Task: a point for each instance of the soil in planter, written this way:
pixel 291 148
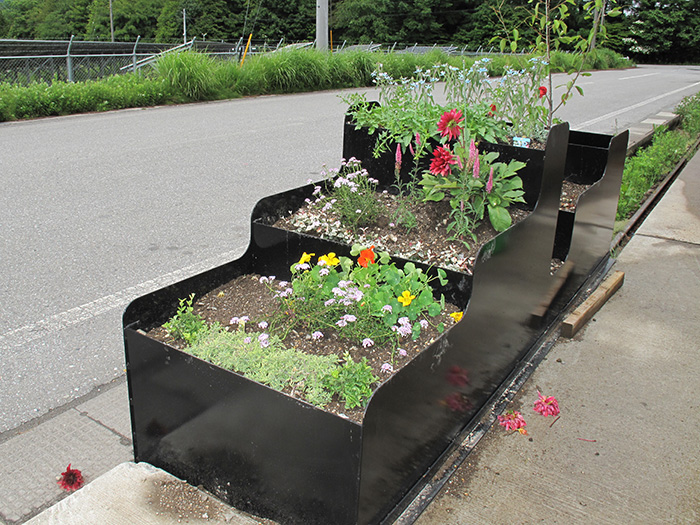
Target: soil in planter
pixel 246 295
pixel 426 241
pixel 570 192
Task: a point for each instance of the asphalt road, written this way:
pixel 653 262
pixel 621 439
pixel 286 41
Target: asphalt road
pixel 99 209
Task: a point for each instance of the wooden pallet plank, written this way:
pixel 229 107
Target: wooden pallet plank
pixel 579 317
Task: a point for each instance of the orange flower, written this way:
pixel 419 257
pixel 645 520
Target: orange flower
pixel 367 257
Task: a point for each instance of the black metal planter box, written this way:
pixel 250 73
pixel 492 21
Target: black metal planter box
pixel 281 458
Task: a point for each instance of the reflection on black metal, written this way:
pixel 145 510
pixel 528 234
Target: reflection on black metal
pixel 278 457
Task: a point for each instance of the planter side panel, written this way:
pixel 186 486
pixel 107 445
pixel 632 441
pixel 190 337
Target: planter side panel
pixel 257 449
pixel 591 233
pixel 411 419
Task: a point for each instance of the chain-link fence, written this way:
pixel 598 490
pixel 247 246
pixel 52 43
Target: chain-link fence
pixel 25 61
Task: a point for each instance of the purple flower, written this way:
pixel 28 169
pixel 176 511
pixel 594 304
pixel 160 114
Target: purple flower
pixel 263 324
pixel 234 320
pixel 263 339
pixel 350 318
pixel 423 324
pixel 404 321
pixel 387 308
pixel 367 342
pixel 404 330
pixel 329 302
pixel 341 323
pixel 324 271
pixel 386 367
pixel 302 266
pixel 247 340
pixel 283 284
pixel 317 335
pixel 402 352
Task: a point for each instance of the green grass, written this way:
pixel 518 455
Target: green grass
pixel 191 77
pixel 651 164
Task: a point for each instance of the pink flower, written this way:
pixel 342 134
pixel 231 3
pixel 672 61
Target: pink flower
pixel 547 406
pixel 397 165
pixel 418 139
pixel 513 420
pixel 410 148
pixel 442 161
pixel 448 126
pixel 477 165
pixel 71 479
pixel 489 183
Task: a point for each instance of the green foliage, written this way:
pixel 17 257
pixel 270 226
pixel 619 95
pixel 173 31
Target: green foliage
pixel 352 381
pixel 353 191
pixel 648 167
pixel 371 302
pixel 189 74
pixel 185 324
pixel 267 361
pixel 474 185
pixel 653 163
pixel 64 98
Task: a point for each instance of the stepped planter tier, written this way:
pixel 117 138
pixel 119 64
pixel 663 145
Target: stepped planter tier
pixel 275 456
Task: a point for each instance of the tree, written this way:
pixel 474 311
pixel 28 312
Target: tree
pixel 362 21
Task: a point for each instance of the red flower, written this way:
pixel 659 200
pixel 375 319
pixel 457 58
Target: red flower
pixel 366 257
pixel 442 159
pixel 513 420
pixel 448 126
pixel 71 479
pixel 492 112
pixel 543 91
pixel 547 406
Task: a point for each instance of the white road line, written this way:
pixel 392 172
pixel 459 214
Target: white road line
pixel 84 312
pixel 634 106
pixel 638 76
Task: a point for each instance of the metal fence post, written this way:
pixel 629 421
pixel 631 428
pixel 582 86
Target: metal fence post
pixel 134 57
pixel 69 60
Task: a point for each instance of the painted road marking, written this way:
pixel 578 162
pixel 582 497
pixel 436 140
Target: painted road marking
pixel 634 106
pixel 121 299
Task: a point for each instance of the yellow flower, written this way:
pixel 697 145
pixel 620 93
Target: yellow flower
pixel 306 258
pixel 406 298
pixel 329 260
pixel 457 316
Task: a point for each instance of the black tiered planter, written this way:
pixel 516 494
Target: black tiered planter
pixel 282 458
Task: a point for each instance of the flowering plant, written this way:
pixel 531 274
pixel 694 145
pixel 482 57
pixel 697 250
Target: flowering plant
pixel 473 182
pixel 369 301
pixel 352 195
pixel 407 110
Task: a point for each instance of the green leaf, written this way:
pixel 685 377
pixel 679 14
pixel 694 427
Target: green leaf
pixel 499 217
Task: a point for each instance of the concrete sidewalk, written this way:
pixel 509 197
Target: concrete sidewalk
pixel 623 451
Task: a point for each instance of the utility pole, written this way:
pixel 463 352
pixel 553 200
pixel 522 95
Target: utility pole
pixel 322 25
pixel 111 20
